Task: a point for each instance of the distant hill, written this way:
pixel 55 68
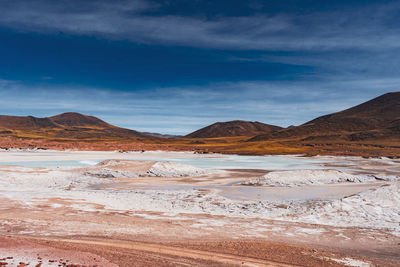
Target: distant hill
pixel 377 118
pixel 233 128
pixel 69 126
pixel 369 129
pixel 162 135
pixel 23 123
pixel 76 120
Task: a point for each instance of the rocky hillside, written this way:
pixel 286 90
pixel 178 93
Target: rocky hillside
pixel 233 128
pixel 377 118
pixel 68 126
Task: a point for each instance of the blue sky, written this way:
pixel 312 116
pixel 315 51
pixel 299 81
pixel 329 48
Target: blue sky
pixel 175 66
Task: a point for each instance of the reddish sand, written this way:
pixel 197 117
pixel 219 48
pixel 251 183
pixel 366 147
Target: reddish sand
pixel 108 252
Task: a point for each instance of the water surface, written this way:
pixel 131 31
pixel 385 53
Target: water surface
pixel 201 161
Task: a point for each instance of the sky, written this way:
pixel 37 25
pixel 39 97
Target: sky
pixel 174 66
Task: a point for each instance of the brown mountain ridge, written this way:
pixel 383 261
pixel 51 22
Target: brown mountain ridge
pixel 73 119
pixel 375 119
pixel 66 126
pixel 369 129
pixel 233 128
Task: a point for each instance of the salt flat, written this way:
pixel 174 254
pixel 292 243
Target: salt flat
pixel 158 196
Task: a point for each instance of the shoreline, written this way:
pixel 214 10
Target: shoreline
pixel 195 152
pixel 231 146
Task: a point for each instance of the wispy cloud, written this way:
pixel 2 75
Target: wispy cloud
pixel 366 28
pixel 180 110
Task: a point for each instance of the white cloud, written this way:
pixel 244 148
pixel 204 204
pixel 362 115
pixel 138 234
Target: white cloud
pixel 364 28
pixel 180 110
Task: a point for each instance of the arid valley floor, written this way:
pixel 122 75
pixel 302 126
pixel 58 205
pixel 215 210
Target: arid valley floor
pixel 175 133
pixel 70 208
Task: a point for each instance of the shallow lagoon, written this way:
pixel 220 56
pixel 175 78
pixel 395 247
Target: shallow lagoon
pixel 214 161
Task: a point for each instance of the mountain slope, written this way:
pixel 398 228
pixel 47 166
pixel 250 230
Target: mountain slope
pixel 23 123
pixel 66 126
pixel 77 119
pixel 377 118
pixel 233 128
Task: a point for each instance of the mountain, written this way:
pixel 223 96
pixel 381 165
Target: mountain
pixel 374 119
pixel 23 123
pixel 74 119
pixel 162 135
pixel 369 129
pixel 66 126
pixel 233 128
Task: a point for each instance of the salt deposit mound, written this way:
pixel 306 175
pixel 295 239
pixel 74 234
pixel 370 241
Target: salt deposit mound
pixel 308 177
pixel 376 208
pixel 132 168
pixel 32 179
pixel 173 169
pixel 109 173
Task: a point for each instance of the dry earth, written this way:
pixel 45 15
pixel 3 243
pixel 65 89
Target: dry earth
pixel 64 217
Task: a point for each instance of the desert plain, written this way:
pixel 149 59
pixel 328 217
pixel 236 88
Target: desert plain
pixel 106 208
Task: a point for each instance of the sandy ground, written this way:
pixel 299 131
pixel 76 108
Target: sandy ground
pixel 100 252
pixel 62 216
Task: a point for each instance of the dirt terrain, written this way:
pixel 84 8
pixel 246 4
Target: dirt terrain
pixel 85 216
pixel 67 236
pixel 108 252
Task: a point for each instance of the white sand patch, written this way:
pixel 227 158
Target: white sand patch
pixel 378 208
pixel 89 162
pixel 351 262
pixel 109 173
pixel 312 231
pixel 308 177
pixel 132 169
pixel 55 179
pixel 173 169
pixel 343 236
